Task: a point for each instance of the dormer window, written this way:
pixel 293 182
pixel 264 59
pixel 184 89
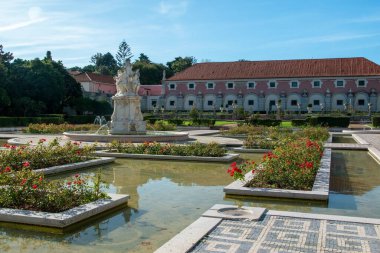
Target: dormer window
pixel 294 84
pixel 191 86
pixel 339 83
pixel 230 85
pixel 272 84
pixel 172 86
pixel 251 85
pixel 210 86
pixel 361 83
pixel 317 84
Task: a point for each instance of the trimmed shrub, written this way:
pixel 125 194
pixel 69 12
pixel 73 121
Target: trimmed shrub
pixel 263 122
pixel 329 121
pixel 83 119
pixel 376 121
pixel 299 122
pixel 25 121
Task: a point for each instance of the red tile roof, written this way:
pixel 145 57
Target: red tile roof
pixel 279 69
pixel 152 90
pixel 92 77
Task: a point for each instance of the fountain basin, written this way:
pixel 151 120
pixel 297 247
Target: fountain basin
pixel 159 136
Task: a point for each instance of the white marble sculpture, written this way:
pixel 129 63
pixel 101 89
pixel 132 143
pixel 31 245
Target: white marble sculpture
pixel 127 117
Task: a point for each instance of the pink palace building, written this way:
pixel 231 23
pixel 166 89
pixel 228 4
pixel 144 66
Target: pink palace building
pixel 261 86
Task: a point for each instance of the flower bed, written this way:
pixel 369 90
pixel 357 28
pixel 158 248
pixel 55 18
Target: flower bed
pixel 43 155
pixel 155 148
pixel 58 128
pixel 28 190
pixel 293 165
pixel 271 137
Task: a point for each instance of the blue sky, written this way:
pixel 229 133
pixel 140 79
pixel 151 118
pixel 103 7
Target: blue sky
pixel 216 30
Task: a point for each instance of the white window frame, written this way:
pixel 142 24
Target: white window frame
pixel 365 83
pixel 175 86
pixel 188 86
pixel 252 101
pixel 272 81
pixel 233 85
pixel 292 81
pixel 254 85
pixel 316 80
pixel 213 86
pixel 336 83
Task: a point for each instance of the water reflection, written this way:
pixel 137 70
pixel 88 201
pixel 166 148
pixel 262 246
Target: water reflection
pixel 166 196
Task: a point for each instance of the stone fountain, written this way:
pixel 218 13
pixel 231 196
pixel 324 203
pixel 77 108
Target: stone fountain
pixel 127 124
pixel 127 117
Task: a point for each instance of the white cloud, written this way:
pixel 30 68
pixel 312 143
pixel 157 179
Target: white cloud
pixel 34 16
pixel 176 8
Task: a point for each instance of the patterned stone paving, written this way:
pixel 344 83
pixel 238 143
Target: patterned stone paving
pixel 288 234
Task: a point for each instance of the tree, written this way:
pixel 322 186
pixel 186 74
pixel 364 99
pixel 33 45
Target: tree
pixel 105 63
pixel 143 58
pixel 123 54
pixel 150 73
pixel 48 56
pixel 5 58
pixel 179 64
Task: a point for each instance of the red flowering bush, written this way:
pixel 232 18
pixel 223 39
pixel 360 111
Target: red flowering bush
pixel 155 148
pixel 43 155
pixel 25 189
pixel 291 166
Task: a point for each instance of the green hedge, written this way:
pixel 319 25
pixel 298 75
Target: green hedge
pixel 299 122
pixel 25 121
pixel 376 121
pixel 83 119
pixel 329 121
pixel 204 122
pixel 263 122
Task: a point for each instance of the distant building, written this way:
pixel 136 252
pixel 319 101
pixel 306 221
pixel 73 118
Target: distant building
pixel 103 87
pixel 96 86
pixel 261 86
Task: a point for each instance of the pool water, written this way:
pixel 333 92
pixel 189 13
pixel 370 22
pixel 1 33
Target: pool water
pixel 343 139
pixel 166 196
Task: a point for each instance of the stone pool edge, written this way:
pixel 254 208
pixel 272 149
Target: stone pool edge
pixel 226 158
pixel 320 190
pixel 74 166
pixel 65 218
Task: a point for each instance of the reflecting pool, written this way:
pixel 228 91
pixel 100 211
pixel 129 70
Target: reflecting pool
pixel 166 196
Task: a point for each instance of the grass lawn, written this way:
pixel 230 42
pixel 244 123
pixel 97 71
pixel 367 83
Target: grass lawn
pixel 286 124
pixel 224 122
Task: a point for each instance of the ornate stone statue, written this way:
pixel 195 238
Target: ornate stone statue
pixel 127 117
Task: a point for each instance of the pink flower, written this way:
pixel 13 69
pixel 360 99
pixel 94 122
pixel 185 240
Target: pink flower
pixel 34 186
pixel 26 164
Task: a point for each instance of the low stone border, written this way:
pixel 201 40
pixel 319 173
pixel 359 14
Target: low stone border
pixel 227 158
pixel 161 136
pixel 320 190
pixel 75 166
pixel 65 218
pixel 251 150
pixel 359 139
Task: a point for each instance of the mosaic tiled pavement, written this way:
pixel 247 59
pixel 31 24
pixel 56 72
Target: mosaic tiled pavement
pixel 288 234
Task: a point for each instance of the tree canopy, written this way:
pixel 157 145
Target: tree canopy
pixel 179 64
pixel 123 54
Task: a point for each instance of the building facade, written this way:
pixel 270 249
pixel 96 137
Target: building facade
pixel 96 86
pixel 263 86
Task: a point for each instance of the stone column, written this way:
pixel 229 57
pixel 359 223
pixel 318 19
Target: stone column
pixel 304 100
pixel 180 101
pixel 144 103
pixel 200 101
pixel 373 100
pixel 240 103
pixel 219 100
pixel 328 101
pixel 261 106
pixel 283 101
